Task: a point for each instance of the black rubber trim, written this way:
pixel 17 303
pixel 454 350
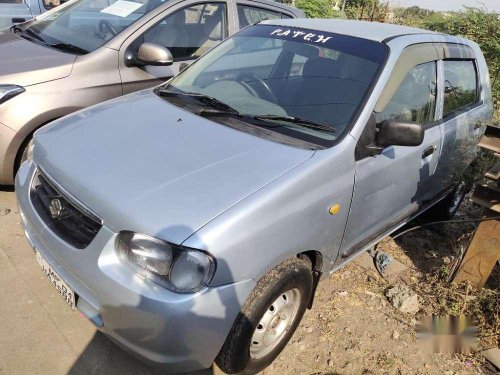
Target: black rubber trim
pixel 387 40
pixel 452 115
pixel 407 216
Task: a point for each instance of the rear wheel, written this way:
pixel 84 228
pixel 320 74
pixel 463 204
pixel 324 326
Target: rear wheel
pixel 448 207
pixel 268 319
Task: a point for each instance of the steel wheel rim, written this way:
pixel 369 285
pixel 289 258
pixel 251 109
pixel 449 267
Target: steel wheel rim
pixel 275 323
pixel 457 197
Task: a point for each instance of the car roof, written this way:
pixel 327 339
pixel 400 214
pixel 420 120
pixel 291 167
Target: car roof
pixel 363 29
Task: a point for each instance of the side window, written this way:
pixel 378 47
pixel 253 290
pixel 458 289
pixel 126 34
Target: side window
pixel 50 4
pixel 192 31
pixel 415 98
pixel 98 4
pixel 460 85
pixel 250 15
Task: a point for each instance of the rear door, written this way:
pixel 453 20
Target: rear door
pixel 187 30
pixel 462 112
pixel 392 186
pixel 13 11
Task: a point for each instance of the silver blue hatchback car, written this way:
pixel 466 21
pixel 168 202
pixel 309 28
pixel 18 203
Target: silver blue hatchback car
pixel 192 222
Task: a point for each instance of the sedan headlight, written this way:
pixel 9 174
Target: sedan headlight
pixel 177 268
pixel 9 91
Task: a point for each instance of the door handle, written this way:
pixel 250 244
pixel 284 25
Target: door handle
pixel 428 151
pixel 18 20
pixel 478 125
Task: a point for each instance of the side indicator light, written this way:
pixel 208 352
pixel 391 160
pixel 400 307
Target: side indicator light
pixel 334 209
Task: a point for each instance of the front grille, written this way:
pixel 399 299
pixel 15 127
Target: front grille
pixel 66 217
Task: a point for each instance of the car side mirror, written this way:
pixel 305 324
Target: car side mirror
pixel 153 54
pixel 398 133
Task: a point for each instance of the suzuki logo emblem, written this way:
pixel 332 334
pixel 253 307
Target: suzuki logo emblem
pixel 56 209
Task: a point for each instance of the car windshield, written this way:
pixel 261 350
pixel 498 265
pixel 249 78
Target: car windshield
pixel 300 83
pixel 85 25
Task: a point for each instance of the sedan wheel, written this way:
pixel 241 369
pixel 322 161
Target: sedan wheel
pixel 275 323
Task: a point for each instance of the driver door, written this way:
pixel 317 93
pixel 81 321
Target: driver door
pixel 396 184
pixel 187 31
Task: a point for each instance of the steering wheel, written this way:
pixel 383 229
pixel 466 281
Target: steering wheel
pixel 253 83
pixel 105 25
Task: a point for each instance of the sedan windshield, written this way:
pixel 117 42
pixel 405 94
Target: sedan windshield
pixel 304 84
pixel 85 25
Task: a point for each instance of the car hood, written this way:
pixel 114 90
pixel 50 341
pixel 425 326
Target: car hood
pixel 26 63
pixel 145 165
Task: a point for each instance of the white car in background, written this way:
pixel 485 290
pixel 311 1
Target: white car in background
pixel 18 11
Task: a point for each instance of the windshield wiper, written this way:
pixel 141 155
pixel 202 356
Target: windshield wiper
pixel 206 99
pixel 16 28
pixel 223 109
pixel 60 46
pixel 295 120
pixel 28 32
pixel 66 47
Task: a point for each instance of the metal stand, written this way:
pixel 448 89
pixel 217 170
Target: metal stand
pixel 484 250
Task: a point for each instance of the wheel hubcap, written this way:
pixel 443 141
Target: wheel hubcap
pixel 457 197
pixel 275 323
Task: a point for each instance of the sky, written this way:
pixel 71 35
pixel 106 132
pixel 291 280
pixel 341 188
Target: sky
pixel 492 5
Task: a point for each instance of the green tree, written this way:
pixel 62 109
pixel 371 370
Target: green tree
pixel 412 16
pixel 318 8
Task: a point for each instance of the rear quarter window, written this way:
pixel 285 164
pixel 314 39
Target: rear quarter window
pixel 460 85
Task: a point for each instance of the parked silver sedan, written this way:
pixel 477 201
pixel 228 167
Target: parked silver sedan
pixel 193 221
pixel 88 51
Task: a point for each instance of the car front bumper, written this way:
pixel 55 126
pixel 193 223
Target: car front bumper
pixel 176 332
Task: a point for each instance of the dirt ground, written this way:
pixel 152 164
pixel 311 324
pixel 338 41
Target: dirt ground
pixel 352 328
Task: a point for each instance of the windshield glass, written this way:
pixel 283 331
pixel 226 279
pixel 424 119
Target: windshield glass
pixel 301 83
pixel 86 24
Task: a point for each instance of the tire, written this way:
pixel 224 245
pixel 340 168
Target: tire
pixel 22 155
pixel 448 206
pixel 270 307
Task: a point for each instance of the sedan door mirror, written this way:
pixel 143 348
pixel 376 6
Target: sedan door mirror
pixel 398 133
pixel 154 54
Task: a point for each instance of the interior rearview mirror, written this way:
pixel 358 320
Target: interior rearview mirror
pixel 154 54
pixel 398 133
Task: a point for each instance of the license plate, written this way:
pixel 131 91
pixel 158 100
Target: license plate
pixel 63 288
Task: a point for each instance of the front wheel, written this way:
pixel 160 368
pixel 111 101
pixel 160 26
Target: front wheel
pixel 268 319
pixel 23 153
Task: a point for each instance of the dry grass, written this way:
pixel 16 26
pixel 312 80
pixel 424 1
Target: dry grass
pixel 433 254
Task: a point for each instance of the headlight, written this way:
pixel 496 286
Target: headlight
pixel 9 91
pixel 178 268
